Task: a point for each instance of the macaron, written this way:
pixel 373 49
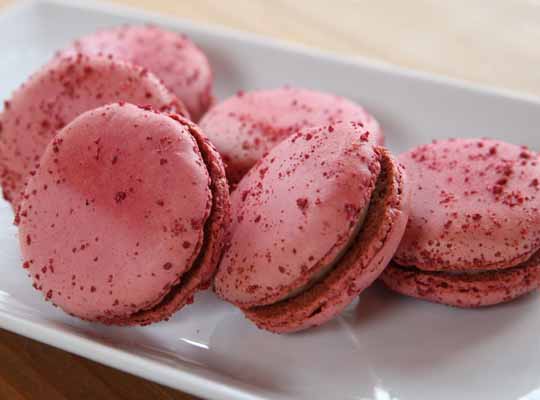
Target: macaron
pixel 125 218
pixel 173 57
pixel 314 223
pixel 246 126
pixel 55 95
pixel 473 236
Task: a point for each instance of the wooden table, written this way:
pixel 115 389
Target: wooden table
pixel 491 42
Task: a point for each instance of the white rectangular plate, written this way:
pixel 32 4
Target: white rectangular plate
pixel 384 347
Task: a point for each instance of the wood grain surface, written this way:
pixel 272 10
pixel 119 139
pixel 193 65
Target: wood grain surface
pixel 31 370
pixel 491 42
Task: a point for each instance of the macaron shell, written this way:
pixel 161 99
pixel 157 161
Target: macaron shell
pixel 103 237
pixel 295 212
pixel 466 290
pixel 246 126
pixel 54 96
pixel 476 206
pixel 200 275
pixel 360 266
pixel 173 57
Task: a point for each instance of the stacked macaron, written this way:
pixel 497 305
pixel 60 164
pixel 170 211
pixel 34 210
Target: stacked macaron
pixel 109 241
pixel 126 210
pixel 473 237
pixel 315 222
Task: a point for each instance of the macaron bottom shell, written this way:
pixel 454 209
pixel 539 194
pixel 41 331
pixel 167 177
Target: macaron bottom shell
pixel 367 256
pixel 465 290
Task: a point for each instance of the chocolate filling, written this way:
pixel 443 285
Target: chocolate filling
pixel 465 290
pixel 474 276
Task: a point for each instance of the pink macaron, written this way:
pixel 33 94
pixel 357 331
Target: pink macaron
pixel 314 223
pixel 54 96
pixel 125 218
pixel 172 56
pixel 474 232
pixel 246 126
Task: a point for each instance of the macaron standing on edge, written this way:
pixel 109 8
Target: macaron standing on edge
pixel 473 237
pixel 55 95
pixel 246 126
pixel 109 241
pixel 314 223
pixel 171 56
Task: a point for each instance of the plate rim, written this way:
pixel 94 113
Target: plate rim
pixel 187 381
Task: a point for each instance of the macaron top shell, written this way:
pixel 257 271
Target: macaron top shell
pixel 476 206
pixel 171 56
pixel 246 126
pixel 295 212
pixel 58 93
pixel 124 194
pixel 199 277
